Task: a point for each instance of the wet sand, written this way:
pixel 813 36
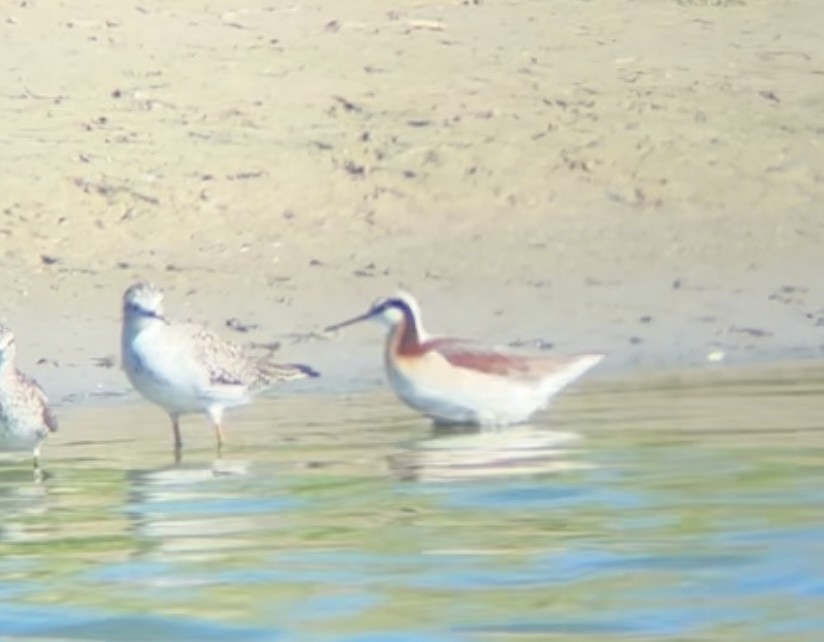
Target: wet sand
pixel 643 178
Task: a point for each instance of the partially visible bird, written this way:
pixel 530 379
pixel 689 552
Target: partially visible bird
pixel 25 416
pixel 186 368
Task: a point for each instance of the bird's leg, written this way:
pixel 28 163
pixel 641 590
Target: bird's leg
pixel 178 440
pixel 38 473
pixel 219 435
pixel 216 415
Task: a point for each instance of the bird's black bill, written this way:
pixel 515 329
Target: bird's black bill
pixel 343 324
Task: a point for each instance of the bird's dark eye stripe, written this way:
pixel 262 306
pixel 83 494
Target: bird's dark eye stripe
pixel 135 307
pixel 398 304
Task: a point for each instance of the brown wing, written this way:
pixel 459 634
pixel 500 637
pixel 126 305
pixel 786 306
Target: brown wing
pixel 225 361
pixel 50 419
pixel 230 365
pixel 464 354
pixel 39 397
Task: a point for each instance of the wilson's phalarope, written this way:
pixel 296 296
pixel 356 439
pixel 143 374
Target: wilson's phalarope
pixel 185 368
pixel 25 417
pixel 454 381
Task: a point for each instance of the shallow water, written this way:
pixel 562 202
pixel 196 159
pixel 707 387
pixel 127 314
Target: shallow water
pixel 679 508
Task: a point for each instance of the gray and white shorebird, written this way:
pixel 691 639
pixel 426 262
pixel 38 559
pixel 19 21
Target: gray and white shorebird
pixel 186 368
pixel 25 416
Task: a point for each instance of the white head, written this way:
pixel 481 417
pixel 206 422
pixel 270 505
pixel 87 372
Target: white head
pixel 143 300
pixel 389 312
pixel 8 350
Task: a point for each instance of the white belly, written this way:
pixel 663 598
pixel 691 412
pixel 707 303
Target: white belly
pixel 480 400
pixel 169 377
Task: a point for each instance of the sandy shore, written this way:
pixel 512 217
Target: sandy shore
pixel 645 178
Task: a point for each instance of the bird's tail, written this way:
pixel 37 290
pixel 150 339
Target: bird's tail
pixel 50 419
pixel 287 371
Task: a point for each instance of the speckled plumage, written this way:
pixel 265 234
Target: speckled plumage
pixel 25 416
pixel 228 364
pixel 186 368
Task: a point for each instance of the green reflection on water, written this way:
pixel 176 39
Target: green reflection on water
pixel 677 508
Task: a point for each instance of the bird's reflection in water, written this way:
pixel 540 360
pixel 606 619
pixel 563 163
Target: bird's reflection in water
pixel 24 497
pixel 453 454
pixel 197 512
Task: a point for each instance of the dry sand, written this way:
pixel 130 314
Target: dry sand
pixel 644 177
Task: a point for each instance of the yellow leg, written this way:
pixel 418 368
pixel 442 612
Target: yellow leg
pixel 216 415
